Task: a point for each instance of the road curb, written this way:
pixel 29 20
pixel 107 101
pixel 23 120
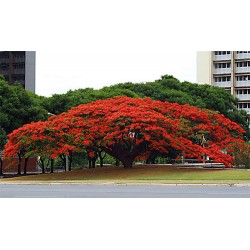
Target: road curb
pixel 126 183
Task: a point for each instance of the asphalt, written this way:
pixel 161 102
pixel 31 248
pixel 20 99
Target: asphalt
pixel 122 191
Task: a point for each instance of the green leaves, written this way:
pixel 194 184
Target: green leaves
pixel 3 138
pixel 18 107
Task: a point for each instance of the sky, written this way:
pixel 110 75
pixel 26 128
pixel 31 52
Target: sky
pixel 58 72
pixel 98 43
pixel 95 43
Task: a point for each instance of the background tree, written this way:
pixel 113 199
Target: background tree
pixel 241 153
pixel 18 107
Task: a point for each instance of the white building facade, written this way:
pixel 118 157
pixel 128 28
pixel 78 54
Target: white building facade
pixel 229 70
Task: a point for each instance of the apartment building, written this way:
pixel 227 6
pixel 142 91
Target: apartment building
pixel 229 70
pixel 19 66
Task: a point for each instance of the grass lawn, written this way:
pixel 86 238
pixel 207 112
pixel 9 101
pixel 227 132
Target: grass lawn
pixel 141 174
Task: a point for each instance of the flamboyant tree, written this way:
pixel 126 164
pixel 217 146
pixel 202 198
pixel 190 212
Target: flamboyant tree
pixel 168 88
pixel 27 141
pixel 131 128
pixel 44 139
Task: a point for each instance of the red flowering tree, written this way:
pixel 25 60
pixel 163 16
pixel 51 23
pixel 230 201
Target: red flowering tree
pixel 28 140
pixel 45 139
pixel 130 128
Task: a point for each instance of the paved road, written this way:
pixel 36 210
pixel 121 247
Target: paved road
pixel 123 191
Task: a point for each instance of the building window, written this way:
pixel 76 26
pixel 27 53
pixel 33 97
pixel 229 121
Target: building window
pixel 243 78
pixel 243 64
pixel 222 53
pixel 19 66
pixel 222 65
pixel 243 91
pixel 222 79
pixel 4 55
pixel 243 105
pixel 4 67
pixel 240 52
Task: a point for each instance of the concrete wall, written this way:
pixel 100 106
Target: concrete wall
pixel 204 64
pixel 30 71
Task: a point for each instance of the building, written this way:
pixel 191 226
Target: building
pixel 19 66
pixel 229 70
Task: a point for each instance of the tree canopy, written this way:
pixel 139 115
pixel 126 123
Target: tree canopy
pixel 17 107
pixel 128 129
pixel 167 88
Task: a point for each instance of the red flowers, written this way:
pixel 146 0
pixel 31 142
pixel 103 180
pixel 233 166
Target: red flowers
pixel 129 128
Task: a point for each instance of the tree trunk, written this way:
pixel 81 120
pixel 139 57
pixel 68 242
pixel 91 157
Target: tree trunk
pixel 65 164
pixel 25 166
pixel 127 163
pixel 19 164
pixel 1 167
pixel 126 157
pixel 117 162
pixel 63 159
pixel 70 160
pixel 89 159
pixel 101 162
pixel 101 158
pixel 52 166
pixel 43 167
pixel 93 160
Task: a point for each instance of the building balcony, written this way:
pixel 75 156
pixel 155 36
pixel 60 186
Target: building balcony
pixel 242 83
pixel 242 70
pixel 243 97
pixel 19 59
pixel 4 60
pixel 222 71
pixel 242 56
pixel 223 84
pixel 4 71
pixel 226 57
pixel 19 71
